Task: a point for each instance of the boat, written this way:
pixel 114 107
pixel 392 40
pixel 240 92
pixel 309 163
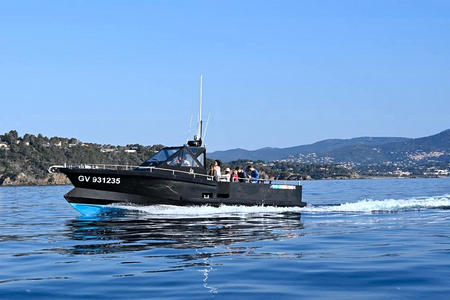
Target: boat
pixel 173 176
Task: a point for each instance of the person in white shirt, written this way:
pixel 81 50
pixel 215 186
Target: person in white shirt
pixel 217 172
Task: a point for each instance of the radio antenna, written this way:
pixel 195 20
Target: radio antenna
pixel 206 127
pixel 197 142
pixel 199 135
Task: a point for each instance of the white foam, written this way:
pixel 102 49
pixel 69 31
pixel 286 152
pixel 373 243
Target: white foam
pixel 201 211
pixel 387 205
pixel 365 206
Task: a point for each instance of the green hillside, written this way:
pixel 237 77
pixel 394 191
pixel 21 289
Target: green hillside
pixel 29 157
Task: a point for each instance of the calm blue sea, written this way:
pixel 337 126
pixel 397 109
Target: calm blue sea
pixel 360 239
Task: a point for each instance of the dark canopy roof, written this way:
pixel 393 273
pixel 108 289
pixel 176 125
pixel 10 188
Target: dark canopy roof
pixel 179 158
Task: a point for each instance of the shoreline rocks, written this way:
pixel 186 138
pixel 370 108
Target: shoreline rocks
pixel 25 179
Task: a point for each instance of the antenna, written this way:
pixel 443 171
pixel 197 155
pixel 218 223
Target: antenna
pixel 200 115
pixel 197 142
pixel 206 127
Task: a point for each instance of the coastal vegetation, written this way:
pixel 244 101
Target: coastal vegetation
pixel 296 171
pixel 24 160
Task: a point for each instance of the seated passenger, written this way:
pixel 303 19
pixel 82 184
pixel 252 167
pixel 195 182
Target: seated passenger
pixel 185 162
pixel 234 175
pixel 227 176
pixel 254 174
pixel 241 174
pixel 211 170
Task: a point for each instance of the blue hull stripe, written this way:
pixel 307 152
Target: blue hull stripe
pixel 91 209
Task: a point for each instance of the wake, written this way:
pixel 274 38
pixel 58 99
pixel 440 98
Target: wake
pixel 205 211
pixel 386 205
pixel 363 206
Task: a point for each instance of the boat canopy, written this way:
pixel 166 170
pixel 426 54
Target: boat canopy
pixel 179 158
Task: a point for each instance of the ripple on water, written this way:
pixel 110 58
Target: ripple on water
pixel 363 239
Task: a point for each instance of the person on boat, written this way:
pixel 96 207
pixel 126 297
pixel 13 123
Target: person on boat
pixel 234 175
pixel 185 162
pixel 227 176
pixel 217 172
pixel 254 174
pixel 241 174
pixel 211 170
pixel 248 173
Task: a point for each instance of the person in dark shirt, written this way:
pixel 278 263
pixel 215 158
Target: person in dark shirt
pixel 254 174
pixel 241 174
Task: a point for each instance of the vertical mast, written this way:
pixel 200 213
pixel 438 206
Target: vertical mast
pixel 200 115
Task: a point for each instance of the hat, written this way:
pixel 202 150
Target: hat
pixel 227 170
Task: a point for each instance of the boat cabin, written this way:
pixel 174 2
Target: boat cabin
pixel 184 158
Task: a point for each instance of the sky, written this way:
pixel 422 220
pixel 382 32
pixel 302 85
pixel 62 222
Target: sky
pixel 276 73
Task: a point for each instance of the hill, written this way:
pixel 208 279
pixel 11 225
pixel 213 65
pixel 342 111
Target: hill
pixel 271 154
pixel 25 160
pixel 426 151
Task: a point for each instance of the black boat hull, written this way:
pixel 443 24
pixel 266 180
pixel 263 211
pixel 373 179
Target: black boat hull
pixel 134 187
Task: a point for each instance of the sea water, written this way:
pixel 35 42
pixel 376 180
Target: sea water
pixel 361 239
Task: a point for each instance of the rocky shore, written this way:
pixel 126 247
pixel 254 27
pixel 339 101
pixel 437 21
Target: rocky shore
pixel 24 179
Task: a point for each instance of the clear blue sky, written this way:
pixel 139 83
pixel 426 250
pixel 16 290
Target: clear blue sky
pixel 277 73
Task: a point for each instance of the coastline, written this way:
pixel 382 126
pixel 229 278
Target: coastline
pixel 66 182
pixel 23 179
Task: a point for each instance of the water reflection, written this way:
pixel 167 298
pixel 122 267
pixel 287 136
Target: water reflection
pixel 135 232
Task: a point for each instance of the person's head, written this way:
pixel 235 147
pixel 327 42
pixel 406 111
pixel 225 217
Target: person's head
pixel 227 170
pixel 235 171
pixel 217 163
pixel 251 167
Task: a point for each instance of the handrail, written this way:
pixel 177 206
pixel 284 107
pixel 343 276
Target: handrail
pixel 54 168
pixel 268 181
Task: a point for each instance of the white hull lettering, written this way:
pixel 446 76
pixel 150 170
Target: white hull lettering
pixel 99 179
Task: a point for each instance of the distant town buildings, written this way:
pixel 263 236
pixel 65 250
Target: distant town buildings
pixel 423 155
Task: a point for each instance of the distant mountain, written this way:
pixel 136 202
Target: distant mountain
pixel 25 160
pixel 437 142
pixel 425 150
pixel 270 154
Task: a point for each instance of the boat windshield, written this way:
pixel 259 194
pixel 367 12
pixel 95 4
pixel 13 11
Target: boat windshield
pixel 183 159
pixel 161 156
pixel 195 150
